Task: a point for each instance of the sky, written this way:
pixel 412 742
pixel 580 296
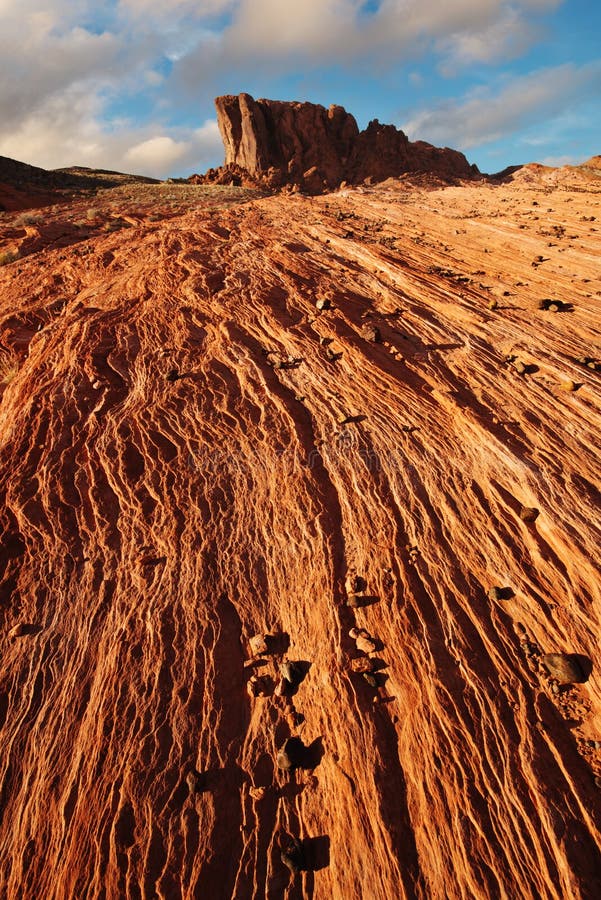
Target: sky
pixel 129 84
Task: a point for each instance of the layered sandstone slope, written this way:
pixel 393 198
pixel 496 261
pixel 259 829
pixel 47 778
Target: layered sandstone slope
pixel 315 148
pixel 194 454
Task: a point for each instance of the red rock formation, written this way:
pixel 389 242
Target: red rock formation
pixel 315 148
pixel 193 455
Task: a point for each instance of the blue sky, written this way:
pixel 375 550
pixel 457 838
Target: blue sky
pixel 129 84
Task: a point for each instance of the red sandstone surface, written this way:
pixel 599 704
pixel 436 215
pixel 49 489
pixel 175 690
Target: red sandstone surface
pixel 194 454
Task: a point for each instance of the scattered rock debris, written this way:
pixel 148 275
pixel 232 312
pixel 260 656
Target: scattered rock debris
pixel 364 642
pixel 590 362
pixel 363 664
pixel 259 686
pixel 371 333
pixel 554 305
pixel 260 644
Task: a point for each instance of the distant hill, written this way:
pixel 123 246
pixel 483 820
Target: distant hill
pixel 23 186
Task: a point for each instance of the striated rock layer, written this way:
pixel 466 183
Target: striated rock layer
pixel 193 455
pixel 304 144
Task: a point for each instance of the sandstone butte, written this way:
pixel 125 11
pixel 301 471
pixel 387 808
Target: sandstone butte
pixel 299 500
pixel 311 148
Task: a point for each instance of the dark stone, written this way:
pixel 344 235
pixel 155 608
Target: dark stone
pixel 500 593
pixel 293 856
pixel 291 755
pixel 356 584
pixel 564 667
pixel 293 672
pixel 528 514
pixel 195 781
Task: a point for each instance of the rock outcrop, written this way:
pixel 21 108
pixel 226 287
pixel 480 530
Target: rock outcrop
pixel 304 144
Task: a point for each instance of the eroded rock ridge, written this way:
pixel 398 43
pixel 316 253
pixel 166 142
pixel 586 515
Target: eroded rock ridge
pixel 314 149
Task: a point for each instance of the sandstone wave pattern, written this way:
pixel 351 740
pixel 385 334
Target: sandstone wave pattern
pixel 300 536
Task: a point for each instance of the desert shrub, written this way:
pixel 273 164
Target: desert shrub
pixel 7 257
pixel 28 218
pixel 116 225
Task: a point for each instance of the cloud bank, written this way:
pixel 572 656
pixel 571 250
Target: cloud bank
pixel 487 114
pixel 108 85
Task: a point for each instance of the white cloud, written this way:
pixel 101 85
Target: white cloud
pixel 161 155
pixel 341 29
pixel 63 63
pixel 505 38
pixel 565 160
pixel 168 8
pixel 69 131
pixel 156 153
pixel 484 116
